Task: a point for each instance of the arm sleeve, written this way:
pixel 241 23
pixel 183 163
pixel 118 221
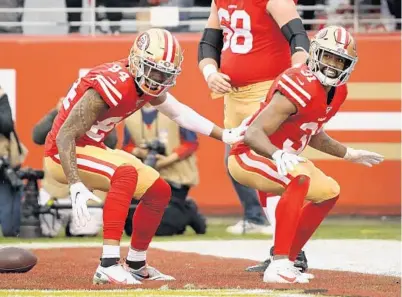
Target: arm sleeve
pixel 184 116
pixel 42 128
pixel 188 144
pixel 128 144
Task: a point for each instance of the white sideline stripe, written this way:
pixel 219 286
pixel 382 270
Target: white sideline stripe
pixel 264 167
pixel 296 86
pixel 293 94
pixel 352 259
pixel 94 165
pixel 365 121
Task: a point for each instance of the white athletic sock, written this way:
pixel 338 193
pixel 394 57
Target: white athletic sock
pixel 111 251
pixel 269 210
pixel 136 256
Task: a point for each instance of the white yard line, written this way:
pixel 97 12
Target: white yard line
pixel 367 256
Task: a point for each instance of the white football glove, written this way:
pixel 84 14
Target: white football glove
pixel 363 157
pixel 79 195
pixel 286 161
pixel 231 136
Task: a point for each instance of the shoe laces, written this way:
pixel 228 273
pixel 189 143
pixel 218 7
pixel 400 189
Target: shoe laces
pixel 295 270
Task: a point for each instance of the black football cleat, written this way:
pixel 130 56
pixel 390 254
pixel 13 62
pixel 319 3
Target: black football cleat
pixel 300 263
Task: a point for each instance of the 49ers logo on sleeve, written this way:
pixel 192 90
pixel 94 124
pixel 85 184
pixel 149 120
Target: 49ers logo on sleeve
pixel 143 41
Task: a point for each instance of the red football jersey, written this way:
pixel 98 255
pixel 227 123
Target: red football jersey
pixel 305 91
pixel 116 86
pixel 254 48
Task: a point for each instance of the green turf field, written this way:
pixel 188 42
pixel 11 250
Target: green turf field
pixel 330 229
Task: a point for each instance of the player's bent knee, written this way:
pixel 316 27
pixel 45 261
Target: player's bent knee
pixel 127 174
pixel 159 193
pixel 333 190
pixel 302 179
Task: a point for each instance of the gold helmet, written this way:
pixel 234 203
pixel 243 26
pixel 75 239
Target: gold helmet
pixel 155 61
pixel 335 46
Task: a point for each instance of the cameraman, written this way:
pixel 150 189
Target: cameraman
pixel 161 143
pixel 12 154
pixel 56 194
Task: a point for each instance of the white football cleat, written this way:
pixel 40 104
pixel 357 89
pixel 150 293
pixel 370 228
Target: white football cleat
pixel 149 273
pixel 307 275
pixel 283 271
pixel 116 274
pixel 249 228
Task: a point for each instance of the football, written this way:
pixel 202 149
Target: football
pixel 16 260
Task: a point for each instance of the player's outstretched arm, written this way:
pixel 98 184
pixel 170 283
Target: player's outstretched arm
pixel 82 116
pixel 326 144
pixel 187 118
pixel 288 19
pixel 266 123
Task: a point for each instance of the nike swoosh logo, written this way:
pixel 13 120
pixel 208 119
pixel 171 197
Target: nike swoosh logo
pixel 115 281
pixel 76 197
pixel 289 279
pixel 300 82
pixel 142 276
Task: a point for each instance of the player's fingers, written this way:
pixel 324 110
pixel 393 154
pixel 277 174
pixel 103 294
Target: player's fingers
pixel 82 216
pixel 294 161
pixel 225 76
pixel 282 168
pixel 378 158
pixel 289 165
pixel 76 217
pixel 223 85
pixel 96 199
pixel 223 81
pixel 217 89
pixel 367 164
pixel 301 159
pixel 375 155
pixel 86 213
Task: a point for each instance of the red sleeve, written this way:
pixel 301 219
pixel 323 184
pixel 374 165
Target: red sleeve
pixel 186 149
pixel 129 147
pixel 297 87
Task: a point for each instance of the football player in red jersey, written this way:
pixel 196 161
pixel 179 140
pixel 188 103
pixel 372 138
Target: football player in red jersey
pixel 300 102
pixel 252 42
pixel 75 153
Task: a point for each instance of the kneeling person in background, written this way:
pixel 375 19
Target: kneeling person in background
pixel 162 144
